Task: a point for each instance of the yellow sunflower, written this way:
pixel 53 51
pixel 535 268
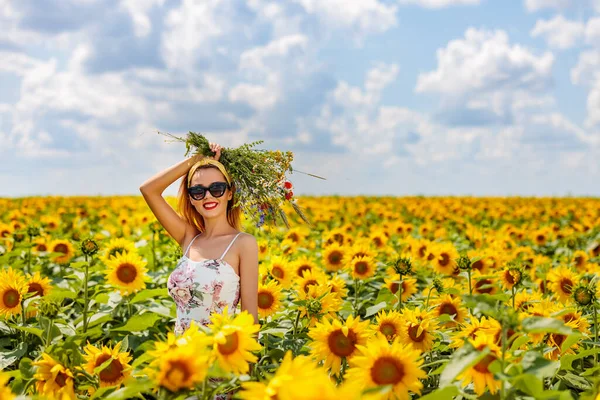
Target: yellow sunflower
pixel 337 285
pixel 333 341
pixel 409 287
pixel 233 340
pixel 471 329
pixel 5 392
pixel 5 231
pixel 362 267
pixel 303 264
pixel 127 271
pixel 510 277
pixel 117 246
pixel 445 258
pixel 479 374
pixel 310 278
pixel 389 324
pixel 556 340
pixel 418 329
pixel 269 298
pixel 320 303
pixel 360 248
pixel 574 318
pixel 561 282
pixel 333 257
pixel 50 222
pixel 447 305
pixel 53 380
pixel 381 363
pixel 378 238
pixel 483 284
pixel 40 245
pixel 64 248
pixel 295 379
pixel 580 259
pixel 116 372
pixel 12 289
pixel 182 367
pixel 38 285
pixel 279 269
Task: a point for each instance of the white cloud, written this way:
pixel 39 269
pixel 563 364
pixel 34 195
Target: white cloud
pixel 258 96
pixel 587 74
pixel 536 5
pixel 139 9
pixel 365 16
pixel 485 60
pixel 559 32
pixel 261 58
pixel 441 3
pixel 592 32
pixel 189 30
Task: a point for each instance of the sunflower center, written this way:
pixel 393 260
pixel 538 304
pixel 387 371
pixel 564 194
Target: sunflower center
pixel 308 283
pixel 36 287
pixel 482 366
pixel 448 308
pixel 388 329
pixel 445 259
pixel 231 344
pixel 579 261
pixel 558 339
pixel 341 345
pixel 566 285
pixel 335 257
pixel 111 373
pixel 11 298
pixel 42 247
pixel 61 248
pixel 386 371
pixel 479 286
pixel 338 237
pixel 61 379
pixel 126 273
pixel 361 268
pixel 303 268
pixel 277 272
pixel 540 238
pixel 178 372
pixel 265 300
pixel 478 265
pixel 421 251
pixel 377 241
pixel 412 333
pixel 294 237
pixel 52 225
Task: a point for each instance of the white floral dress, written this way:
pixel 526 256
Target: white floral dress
pixel 200 288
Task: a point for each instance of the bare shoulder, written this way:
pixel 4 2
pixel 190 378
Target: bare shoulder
pixel 247 242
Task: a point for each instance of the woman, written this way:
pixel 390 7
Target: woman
pixel 219 266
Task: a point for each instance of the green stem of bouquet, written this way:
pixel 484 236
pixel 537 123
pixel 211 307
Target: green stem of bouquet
pixel 85 295
pixel 400 294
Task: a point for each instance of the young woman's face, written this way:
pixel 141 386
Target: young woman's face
pixel 210 206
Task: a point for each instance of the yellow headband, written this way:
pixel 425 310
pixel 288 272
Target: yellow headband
pixel 208 161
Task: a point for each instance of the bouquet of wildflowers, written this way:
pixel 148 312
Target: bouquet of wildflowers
pixel 261 185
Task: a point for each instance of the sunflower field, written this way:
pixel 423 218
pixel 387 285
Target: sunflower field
pixel 379 298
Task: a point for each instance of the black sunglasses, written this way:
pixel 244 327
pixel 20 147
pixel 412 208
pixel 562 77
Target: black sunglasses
pixel 216 189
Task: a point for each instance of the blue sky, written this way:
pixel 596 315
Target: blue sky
pixel 400 97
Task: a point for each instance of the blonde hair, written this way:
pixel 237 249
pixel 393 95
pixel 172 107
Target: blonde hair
pixel 189 212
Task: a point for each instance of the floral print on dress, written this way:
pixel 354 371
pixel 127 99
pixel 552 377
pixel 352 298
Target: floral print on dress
pixel 200 288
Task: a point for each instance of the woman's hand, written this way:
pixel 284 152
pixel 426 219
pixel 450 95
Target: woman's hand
pixel 217 150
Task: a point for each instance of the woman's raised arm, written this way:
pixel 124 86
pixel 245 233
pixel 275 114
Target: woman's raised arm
pixel 152 191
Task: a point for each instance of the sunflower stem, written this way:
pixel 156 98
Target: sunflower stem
pixel 469 277
pixel 50 324
pixel 153 253
pixel 428 296
pixel 85 295
pixel 595 334
pixel 514 292
pixel 400 294
pixel 295 331
pixel 23 333
pixel 28 256
pixel 356 290
pixel 502 394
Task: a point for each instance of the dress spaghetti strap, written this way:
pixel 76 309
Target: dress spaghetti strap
pixel 189 245
pixel 228 247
